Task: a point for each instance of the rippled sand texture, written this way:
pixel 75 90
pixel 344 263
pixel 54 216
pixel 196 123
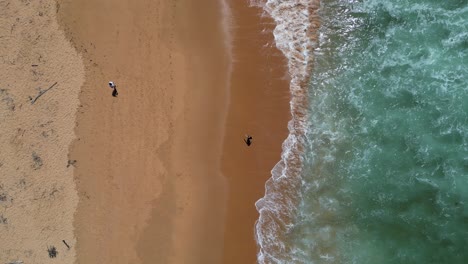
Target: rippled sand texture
pixel 37 192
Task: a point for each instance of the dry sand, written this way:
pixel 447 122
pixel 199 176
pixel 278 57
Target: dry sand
pixel 37 192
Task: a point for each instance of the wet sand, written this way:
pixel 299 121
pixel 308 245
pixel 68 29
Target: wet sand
pixel 148 161
pixel 259 106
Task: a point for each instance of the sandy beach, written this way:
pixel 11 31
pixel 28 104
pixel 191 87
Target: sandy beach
pixel 148 161
pixel 158 173
pixel 40 79
pixel 260 107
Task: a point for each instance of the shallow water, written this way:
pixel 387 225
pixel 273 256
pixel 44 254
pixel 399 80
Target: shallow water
pixel 385 173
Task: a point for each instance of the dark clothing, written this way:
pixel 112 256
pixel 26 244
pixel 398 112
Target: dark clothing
pixel 248 140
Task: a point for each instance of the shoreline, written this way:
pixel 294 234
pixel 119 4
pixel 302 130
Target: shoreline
pixel 296 35
pixel 259 106
pixel 161 171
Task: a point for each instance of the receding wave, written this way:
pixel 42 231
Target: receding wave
pixel 296 23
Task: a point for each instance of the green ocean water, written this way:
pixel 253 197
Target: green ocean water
pixel 385 178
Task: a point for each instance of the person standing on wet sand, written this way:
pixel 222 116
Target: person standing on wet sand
pixel 113 86
pixel 248 140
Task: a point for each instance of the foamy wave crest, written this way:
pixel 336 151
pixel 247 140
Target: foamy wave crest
pixel 295 35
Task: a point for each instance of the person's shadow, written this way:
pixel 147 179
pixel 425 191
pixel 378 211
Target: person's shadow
pixel 114 92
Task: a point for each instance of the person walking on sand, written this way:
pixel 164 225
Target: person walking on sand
pixel 114 87
pixel 248 140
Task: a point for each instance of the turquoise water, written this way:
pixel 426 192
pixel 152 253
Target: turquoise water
pixel 385 178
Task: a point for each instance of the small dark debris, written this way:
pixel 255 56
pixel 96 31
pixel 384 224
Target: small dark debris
pixel 66 244
pixel 22 183
pixel 52 193
pixel 41 92
pixel 37 161
pixel 45 124
pixel 45 134
pixel 71 163
pixel 3 197
pixel 7 99
pixel 52 252
pixel 3 220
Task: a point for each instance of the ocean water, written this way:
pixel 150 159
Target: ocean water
pixel 376 167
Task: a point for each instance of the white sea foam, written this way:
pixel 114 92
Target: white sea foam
pixel 296 23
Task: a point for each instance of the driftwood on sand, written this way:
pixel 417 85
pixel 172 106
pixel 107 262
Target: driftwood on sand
pixel 42 92
pixel 66 244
